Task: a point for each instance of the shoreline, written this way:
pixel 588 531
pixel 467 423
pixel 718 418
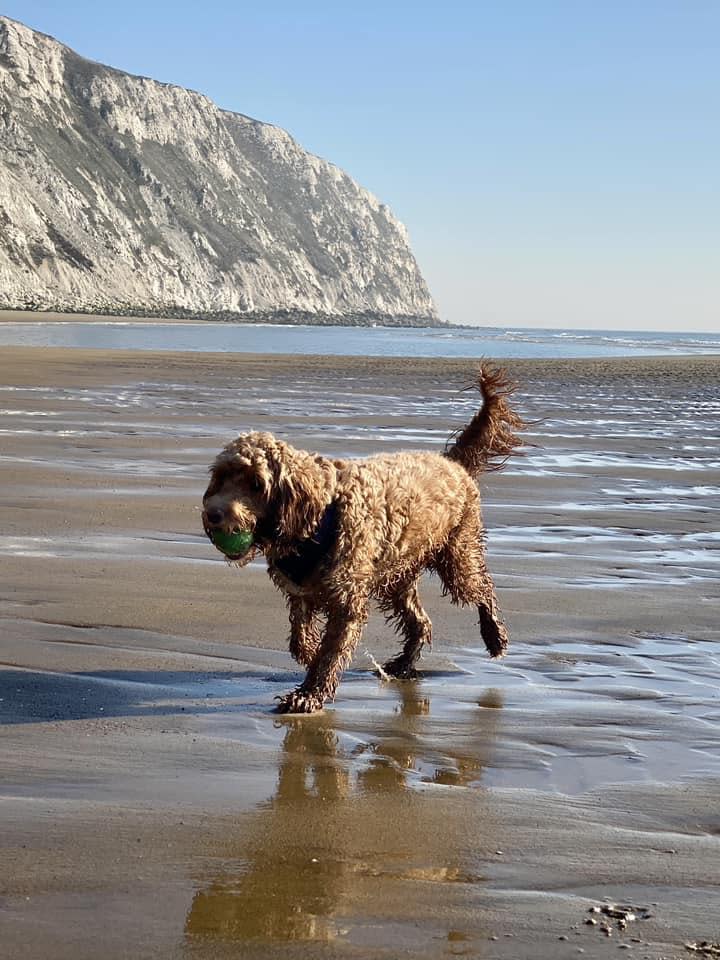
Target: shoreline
pixel 50 318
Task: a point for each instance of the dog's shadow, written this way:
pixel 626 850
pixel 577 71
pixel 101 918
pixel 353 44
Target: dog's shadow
pixel 37 696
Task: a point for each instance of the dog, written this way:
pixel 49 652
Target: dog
pixel 337 534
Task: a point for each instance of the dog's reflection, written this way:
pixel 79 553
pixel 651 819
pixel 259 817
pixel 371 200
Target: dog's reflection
pixel 351 806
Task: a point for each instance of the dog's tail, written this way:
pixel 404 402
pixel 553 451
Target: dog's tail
pixel 491 436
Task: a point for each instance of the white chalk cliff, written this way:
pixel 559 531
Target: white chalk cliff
pixel 120 194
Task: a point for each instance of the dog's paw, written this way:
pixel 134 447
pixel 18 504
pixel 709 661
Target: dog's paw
pixel 493 632
pixel 299 702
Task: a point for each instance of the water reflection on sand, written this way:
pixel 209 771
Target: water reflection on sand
pixel 349 809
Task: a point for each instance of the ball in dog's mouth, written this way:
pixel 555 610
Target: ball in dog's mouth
pixel 235 544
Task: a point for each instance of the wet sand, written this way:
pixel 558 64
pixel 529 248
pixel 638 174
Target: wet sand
pixel 153 804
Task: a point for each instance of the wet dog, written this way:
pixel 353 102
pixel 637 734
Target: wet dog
pixel 337 534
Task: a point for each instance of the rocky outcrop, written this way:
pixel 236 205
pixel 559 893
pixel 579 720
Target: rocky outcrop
pixel 123 195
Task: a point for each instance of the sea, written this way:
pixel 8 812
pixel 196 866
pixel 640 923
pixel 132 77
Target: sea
pixel 501 342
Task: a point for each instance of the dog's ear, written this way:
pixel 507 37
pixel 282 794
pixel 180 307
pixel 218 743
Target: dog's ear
pixel 302 487
pixel 260 476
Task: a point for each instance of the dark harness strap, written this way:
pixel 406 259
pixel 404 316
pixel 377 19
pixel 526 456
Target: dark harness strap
pixel 304 561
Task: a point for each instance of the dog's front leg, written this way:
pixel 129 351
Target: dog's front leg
pixel 343 630
pixel 305 633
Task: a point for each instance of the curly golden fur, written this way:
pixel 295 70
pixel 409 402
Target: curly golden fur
pixel 338 533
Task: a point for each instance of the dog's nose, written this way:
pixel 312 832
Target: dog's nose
pixel 214 516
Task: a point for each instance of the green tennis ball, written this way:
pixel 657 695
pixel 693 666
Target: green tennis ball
pixel 233 544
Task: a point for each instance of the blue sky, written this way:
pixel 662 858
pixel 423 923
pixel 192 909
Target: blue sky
pixel 556 163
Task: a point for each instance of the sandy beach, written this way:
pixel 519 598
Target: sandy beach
pixel 153 805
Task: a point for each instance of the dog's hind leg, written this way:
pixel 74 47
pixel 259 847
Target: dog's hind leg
pixel 414 625
pixel 305 630
pixel 465 576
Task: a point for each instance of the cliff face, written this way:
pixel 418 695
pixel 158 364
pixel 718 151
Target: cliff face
pixel 121 194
